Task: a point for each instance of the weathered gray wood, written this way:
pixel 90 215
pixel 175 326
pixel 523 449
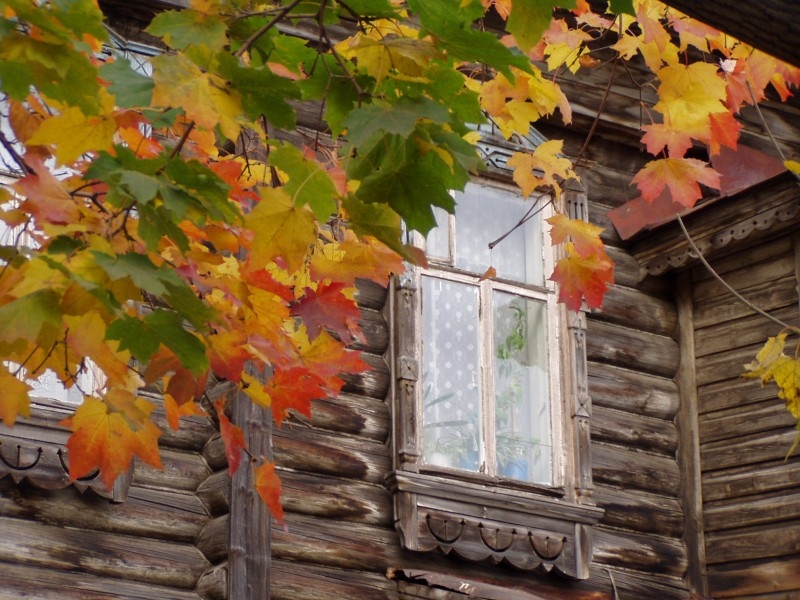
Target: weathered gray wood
pixel 329 454
pixel 630 348
pixel 726 365
pixel 319 583
pixel 147 513
pixel 349 414
pixel 214 453
pixel 215 540
pixel 374 382
pixel 738 579
pixel 747 450
pixel 247 543
pixel 629 429
pixel 631 469
pixel 376 332
pixel 762 417
pixel 749 273
pixel 759 510
pixel 29 582
pixel 747 330
pixel 639 511
pixel 213 584
pixel 753 543
pixel 691 496
pixel 743 480
pixel 626 390
pixel 652 553
pixel 182 471
pixel 336 499
pixel 629 307
pixel 100 553
pixel 370 294
pixel 725 307
pixel 215 493
pixel 733 393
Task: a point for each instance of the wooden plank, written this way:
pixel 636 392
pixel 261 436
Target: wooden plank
pixel 748 274
pixel 630 348
pixel 25 581
pixel 736 580
pixel 623 389
pixel 627 468
pixel 746 330
pixel 759 417
pixel 632 308
pixel 320 583
pixel 732 393
pixel 748 449
pixel 649 553
pixel 629 429
pixel 639 511
pixel 158 514
pixel 98 553
pixel 726 365
pixel 752 510
pixel 726 307
pixel 745 480
pixel 752 543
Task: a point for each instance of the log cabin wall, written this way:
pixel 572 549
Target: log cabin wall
pixel 751 494
pixel 59 543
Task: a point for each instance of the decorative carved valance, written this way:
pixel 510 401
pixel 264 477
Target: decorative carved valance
pixel 35 450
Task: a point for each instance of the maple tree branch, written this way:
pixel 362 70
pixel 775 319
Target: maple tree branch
pixel 597 116
pixel 265 28
pixel 725 284
pixel 9 147
pixel 181 142
pixel 525 218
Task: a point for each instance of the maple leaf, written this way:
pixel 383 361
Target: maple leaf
pixel 582 277
pixel 724 132
pixel 105 440
pixel 280 229
pixel 354 258
pixel 328 307
pixel 541 167
pixel 232 437
pixel 660 135
pixel 327 357
pixel 45 197
pixel 287 390
pixel 227 353
pixel 772 365
pixel 268 485
pixel 680 175
pixel 175 411
pixel 585 237
pixel 689 93
pixel 14 400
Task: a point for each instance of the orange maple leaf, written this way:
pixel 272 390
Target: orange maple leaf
pixel 14 399
pixel 355 258
pixel 660 135
pixel 680 175
pixel 724 132
pixel 175 411
pixel 105 440
pixel 584 236
pixel 268 485
pixel 542 167
pixel 582 277
pixel 232 437
pixel 293 389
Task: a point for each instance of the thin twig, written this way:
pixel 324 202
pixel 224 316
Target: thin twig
pixel 15 155
pixel 265 28
pixel 176 150
pixel 716 275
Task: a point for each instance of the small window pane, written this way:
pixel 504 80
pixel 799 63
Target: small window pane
pixel 437 244
pixel 484 214
pixel 522 407
pixel 451 374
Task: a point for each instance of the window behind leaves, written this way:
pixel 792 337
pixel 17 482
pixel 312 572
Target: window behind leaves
pixel 486 394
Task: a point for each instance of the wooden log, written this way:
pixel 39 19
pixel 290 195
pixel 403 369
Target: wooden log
pixel 98 553
pixel 736 580
pixel 336 499
pixel 150 513
pixel 626 468
pixel 630 348
pixel 632 308
pixel 726 307
pixel 214 453
pixel 29 582
pixel 319 583
pixel 639 511
pixel 745 331
pixel 330 454
pixel 747 450
pixel 373 382
pixel 760 510
pixel 376 332
pixel 370 294
pixel 746 480
pixel 629 429
pixel 182 471
pixel 213 584
pixel 639 585
pixel 650 553
pixel 762 417
pixel 639 393
pixel 353 415
pixel 214 540
pixel 215 493
pixel 732 393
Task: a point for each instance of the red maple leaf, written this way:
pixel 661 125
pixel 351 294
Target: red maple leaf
pixel 268 485
pixel 232 437
pixel 329 308
pixel 680 175
pixel 582 277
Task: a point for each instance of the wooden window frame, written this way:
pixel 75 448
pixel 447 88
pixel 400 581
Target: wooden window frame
pixel 478 516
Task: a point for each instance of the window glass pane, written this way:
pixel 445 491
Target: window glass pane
pixel 438 241
pixel 451 374
pixel 483 214
pixel 522 407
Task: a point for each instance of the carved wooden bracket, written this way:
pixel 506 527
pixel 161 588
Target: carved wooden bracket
pixel 35 450
pixel 480 523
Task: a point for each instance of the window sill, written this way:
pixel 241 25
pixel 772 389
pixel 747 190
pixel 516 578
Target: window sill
pixel 478 522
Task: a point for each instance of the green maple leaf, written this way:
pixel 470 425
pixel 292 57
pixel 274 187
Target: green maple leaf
pixel 180 29
pixel 308 182
pixel 529 19
pixel 129 87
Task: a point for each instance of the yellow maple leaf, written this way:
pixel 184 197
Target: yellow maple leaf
pixel 689 94
pixel 280 229
pixel 772 365
pixel 14 399
pixel 541 167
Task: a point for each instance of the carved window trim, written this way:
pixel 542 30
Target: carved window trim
pixel 476 516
